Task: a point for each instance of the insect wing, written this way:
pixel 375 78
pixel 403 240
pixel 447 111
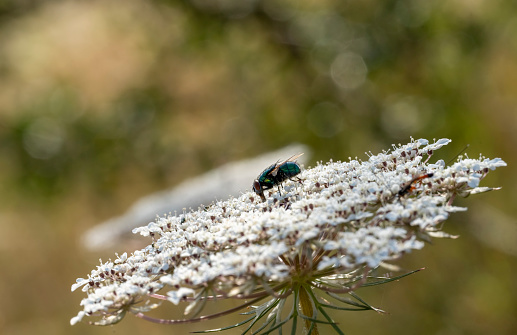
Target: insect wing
pixel 290 159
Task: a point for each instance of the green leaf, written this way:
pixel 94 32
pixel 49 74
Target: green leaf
pixel 264 325
pixel 367 304
pixel 332 323
pixel 265 311
pixel 329 319
pixel 278 325
pixel 387 280
pixel 345 300
pixel 363 308
pixel 225 328
pixel 314 320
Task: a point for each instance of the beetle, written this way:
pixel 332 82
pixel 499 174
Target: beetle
pixel 275 174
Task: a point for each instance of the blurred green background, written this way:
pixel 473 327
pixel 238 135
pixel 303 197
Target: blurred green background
pixel 103 102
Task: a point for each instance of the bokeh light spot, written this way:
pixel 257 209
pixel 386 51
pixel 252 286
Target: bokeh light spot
pixel 348 70
pixel 43 138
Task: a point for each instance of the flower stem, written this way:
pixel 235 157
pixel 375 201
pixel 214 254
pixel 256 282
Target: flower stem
pixel 306 304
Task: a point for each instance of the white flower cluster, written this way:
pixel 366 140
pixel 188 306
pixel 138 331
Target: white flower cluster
pixel 347 214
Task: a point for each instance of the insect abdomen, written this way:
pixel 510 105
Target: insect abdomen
pixel 287 170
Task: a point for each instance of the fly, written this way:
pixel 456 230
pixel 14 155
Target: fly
pixel 276 174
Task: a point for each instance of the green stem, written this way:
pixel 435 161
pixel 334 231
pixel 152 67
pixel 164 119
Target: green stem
pixel 306 304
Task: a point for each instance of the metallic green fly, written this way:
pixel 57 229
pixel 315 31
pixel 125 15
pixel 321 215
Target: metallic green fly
pixel 275 174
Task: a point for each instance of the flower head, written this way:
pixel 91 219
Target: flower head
pixel 325 233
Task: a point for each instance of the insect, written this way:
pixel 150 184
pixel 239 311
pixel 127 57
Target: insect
pixel 409 185
pixel 275 174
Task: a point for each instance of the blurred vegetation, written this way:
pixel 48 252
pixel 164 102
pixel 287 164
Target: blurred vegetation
pixel 102 102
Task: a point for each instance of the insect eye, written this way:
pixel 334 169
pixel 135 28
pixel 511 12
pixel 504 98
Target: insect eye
pixel 256 186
